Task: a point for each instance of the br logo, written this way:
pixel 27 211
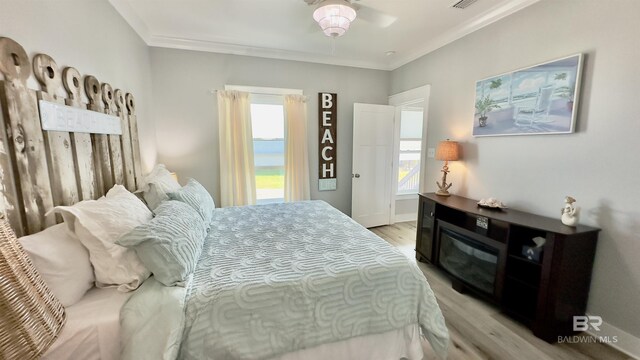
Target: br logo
pixel 584 323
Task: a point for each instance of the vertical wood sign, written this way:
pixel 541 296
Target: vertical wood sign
pixel 327 121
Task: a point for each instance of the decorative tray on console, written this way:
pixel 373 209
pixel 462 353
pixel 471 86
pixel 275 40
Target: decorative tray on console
pixel 492 203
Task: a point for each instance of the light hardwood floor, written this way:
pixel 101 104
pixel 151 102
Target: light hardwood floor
pixel 479 330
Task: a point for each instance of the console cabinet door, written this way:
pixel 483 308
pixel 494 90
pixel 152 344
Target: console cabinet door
pixel 426 230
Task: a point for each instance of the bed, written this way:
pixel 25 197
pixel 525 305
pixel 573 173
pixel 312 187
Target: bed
pixel 281 281
pixel 281 278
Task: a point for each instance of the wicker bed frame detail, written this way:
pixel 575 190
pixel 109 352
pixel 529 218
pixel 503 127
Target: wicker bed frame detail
pixel 32 316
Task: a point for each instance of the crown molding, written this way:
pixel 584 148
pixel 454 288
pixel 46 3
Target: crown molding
pixel 487 18
pixel 132 18
pixel 155 40
pixel 270 53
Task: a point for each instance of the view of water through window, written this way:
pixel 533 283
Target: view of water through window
pixel 268 147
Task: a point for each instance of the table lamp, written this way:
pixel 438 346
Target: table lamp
pixel 447 151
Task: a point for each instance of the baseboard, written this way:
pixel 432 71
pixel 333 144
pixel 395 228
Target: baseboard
pixel 405 217
pixel 626 343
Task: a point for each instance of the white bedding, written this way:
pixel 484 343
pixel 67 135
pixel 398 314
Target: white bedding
pixel 92 330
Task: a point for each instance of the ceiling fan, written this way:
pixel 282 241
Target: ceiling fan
pixel 335 16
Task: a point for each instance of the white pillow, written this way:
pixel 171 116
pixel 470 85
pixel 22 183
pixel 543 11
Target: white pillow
pixel 62 262
pixel 157 184
pixel 98 224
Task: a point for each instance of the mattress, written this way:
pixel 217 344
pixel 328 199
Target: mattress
pixel 92 330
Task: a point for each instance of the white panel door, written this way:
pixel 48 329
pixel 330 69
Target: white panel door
pixel 372 164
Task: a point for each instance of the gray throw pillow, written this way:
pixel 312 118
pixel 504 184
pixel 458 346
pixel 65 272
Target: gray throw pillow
pixel 170 244
pixel 196 196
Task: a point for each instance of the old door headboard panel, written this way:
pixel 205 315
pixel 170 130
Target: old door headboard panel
pixel 25 137
pixel 80 142
pixel 115 145
pixel 57 143
pixel 129 172
pixel 42 169
pixel 101 158
pixel 133 128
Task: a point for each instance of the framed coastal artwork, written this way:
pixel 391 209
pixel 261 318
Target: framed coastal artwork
pixel 540 99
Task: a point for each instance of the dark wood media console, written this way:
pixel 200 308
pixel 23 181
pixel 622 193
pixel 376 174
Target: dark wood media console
pixel 543 294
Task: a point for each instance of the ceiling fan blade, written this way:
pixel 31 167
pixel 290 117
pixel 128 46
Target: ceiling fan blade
pixel 374 16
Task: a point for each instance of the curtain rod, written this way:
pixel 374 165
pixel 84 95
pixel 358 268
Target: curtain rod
pixel 261 90
pixel 215 91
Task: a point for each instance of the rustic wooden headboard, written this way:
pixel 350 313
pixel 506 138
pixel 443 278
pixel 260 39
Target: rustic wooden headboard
pixel 42 169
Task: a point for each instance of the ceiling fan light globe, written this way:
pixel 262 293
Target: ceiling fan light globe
pixel 336 22
pixel 334 17
pixel 334 32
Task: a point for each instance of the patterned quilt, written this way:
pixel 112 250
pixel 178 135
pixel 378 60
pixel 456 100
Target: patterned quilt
pixel 284 277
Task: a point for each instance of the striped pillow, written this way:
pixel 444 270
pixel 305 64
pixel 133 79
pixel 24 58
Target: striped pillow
pixel 197 197
pixel 170 244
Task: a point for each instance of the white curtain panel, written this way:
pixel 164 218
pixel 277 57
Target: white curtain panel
pixel 237 173
pixel 296 153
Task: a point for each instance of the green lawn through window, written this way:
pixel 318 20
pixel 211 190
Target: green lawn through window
pixel 269 178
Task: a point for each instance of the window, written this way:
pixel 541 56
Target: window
pixel 409 154
pixel 267 125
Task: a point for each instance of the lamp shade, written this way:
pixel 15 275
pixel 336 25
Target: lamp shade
pixel 448 151
pixel 334 17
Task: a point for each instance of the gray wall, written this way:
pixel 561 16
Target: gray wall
pixel 92 37
pixel 407 207
pixel 186 115
pixel 599 165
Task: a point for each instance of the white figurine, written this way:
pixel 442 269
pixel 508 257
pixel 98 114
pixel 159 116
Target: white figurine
pixel 569 212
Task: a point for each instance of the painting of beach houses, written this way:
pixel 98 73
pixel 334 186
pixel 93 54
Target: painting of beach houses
pixel 541 99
